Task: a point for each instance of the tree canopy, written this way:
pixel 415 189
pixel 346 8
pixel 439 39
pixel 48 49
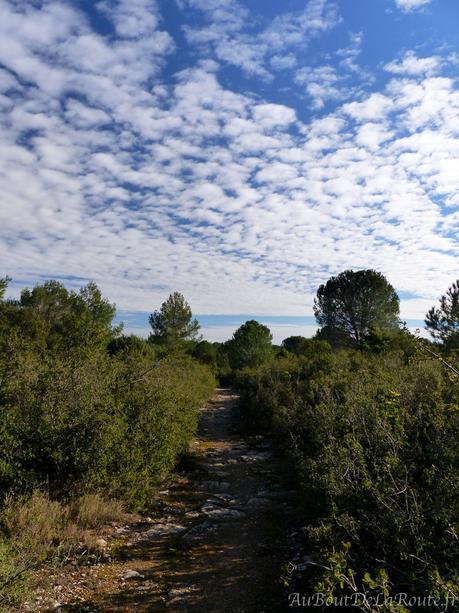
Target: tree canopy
pixel 173 324
pixel 349 305
pixel 56 317
pixel 443 321
pixel 250 346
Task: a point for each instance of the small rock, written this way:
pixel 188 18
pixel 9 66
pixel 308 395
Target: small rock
pixel 263 445
pixel 101 543
pixel 162 529
pixel 224 498
pixel 192 514
pixel 131 574
pixel 255 456
pixel 200 530
pixel 220 512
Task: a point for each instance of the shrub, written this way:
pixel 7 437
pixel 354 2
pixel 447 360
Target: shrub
pixel 373 441
pixel 117 424
pixel 81 411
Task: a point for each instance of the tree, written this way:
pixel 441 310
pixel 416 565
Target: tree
pixel 299 345
pixel 206 353
pixel 3 285
pixel 250 346
pixel 352 303
pixel 131 345
pixel 443 322
pixel 173 324
pixel 74 319
pixel 295 344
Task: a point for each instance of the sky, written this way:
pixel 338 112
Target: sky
pixel 239 152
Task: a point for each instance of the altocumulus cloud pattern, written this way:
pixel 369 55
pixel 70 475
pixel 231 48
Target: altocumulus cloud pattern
pixel 238 152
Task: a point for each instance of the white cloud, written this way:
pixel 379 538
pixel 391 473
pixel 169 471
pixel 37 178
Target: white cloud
pixel 283 62
pixel 413 65
pixel 371 135
pixel 410 5
pixel 322 84
pixel 337 80
pixel 272 115
pixel 148 186
pixel 229 34
pixel 374 107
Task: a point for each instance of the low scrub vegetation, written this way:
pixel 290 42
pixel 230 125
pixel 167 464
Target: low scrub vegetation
pixel 88 416
pixel 37 529
pixel 366 413
pixel 368 416
pixel 372 439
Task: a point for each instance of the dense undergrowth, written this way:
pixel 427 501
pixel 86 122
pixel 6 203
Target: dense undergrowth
pixel 88 419
pixel 372 440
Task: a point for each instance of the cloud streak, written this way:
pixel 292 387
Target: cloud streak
pixel 411 5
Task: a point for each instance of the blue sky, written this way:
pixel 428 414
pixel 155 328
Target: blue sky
pixel 238 152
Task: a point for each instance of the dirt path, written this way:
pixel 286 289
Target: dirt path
pixel 213 541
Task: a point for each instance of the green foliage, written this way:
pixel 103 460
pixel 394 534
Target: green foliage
pixel 131 344
pixel 250 346
pixel 392 339
pixel 372 438
pixel 352 303
pixel 206 353
pixel 113 423
pixel 36 529
pixel 299 345
pixel 14 577
pixel 173 324
pixel 368 594
pixel 83 411
pixel 3 285
pixel 443 321
pixel 83 407
pixel 58 319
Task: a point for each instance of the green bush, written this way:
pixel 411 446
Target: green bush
pixel 373 441
pixel 116 424
pixel 82 407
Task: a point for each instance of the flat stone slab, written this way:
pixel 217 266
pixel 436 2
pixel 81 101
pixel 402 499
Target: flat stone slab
pixel 163 529
pixel 255 456
pixel 214 471
pixel 258 503
pixel 223 499
pixel 192 514
pixel 216 512
pixel 200 530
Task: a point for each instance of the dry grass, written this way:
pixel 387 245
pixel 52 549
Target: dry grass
pixel 36 529
pixel 35 525
pixel 93 510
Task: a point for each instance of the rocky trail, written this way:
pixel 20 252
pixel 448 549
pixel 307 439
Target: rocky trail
pixel 214 539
